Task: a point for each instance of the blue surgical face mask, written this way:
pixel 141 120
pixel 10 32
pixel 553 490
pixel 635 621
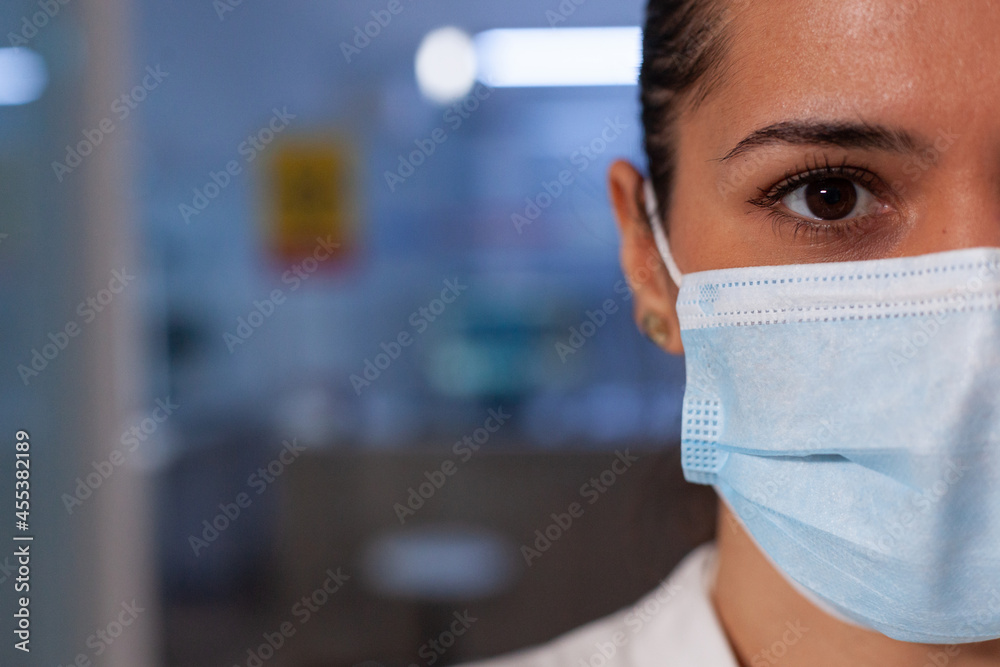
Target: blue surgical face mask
pixel 849 413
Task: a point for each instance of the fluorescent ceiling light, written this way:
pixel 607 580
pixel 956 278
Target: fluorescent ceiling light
pixel 23 76
pixel 446 65
pixel 559 57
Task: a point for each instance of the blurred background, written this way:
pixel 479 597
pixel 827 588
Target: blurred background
pixel 315 319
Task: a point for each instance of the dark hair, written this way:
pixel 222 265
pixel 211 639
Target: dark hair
pixel 682 50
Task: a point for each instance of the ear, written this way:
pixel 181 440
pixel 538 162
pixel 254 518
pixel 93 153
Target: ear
pixel 655 293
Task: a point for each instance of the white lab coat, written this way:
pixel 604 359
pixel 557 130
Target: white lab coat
pixel 675 624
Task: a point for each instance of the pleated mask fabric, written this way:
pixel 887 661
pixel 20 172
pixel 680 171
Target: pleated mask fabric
pixel 849 413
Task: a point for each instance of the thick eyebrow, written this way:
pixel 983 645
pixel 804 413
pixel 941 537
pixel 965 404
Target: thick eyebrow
pixel 823 133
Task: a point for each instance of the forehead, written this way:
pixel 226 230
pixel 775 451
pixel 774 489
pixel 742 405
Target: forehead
pixel 917 63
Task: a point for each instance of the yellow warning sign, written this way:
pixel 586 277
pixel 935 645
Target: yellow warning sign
pixel 312 192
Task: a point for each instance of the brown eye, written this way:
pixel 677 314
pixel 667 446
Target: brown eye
pixel 829 199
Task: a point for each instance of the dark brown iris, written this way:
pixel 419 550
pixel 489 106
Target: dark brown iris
pixel 831 199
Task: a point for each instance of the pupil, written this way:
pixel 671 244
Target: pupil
pixel 831 199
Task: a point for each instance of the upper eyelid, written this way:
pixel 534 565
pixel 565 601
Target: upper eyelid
pixel 772 196
pixel 798 178
pixel 801 175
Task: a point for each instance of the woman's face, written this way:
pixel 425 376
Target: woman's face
pixel 833 131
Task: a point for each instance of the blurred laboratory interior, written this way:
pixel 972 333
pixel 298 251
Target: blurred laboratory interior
pixel 315 318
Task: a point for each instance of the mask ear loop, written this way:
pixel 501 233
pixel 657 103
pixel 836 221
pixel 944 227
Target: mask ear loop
pixel 652 212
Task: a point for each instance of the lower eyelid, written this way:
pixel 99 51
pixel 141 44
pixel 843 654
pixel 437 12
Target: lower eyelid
pixel 820 232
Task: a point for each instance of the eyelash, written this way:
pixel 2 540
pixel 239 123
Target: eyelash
pixel 859 175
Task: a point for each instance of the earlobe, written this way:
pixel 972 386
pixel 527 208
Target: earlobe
pixel 662 330
pixel 656 329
